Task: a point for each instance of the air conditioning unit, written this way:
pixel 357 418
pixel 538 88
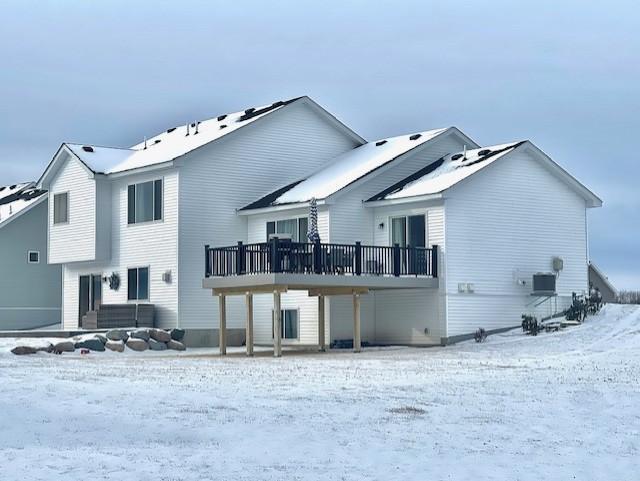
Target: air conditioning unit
pixel 544 284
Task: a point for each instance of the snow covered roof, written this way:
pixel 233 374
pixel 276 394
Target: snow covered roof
pixel 16 198
pixel 446 172
pixel 346 169
pixel 169 144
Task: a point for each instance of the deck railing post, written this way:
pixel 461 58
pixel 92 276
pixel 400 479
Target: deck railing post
pixel 434 261
pixel 317 257
pixel 275 255
pixel 239 259
pixel 358 258
pixel 207 269
pixel 396 260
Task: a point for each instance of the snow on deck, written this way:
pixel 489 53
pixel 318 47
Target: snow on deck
pixel 558 406
pixel 349 167
pixel 169 144
pixel 448 171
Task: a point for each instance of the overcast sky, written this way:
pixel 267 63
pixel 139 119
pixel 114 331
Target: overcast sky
pixel 565 75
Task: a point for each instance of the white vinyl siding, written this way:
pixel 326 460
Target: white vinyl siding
pixel 74 240
pixel 216 180
pixel 508 222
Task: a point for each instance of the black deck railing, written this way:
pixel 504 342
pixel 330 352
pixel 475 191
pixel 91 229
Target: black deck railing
pixel 281 255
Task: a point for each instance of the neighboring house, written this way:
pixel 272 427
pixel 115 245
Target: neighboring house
pixel 143 214
pixel 598 280
pixel 30 289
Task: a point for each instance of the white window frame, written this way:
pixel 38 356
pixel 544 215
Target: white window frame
pixel 137 269
pixel 29 261
pixel 282 309
pixel 152 221
pixel 296 218
pixel 53 217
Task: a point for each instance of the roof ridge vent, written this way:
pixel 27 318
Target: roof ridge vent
pixel 250 111
pixel 157 141
pixel 223 126
pixel 380 142
pixel 221 117
pixel 171 130
pixel 415 136
pixel 484 152
pixel 87 148
pixel 456 156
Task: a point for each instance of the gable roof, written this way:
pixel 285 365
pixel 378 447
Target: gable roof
pixel 456 167
pixel 178 141
pixel 346 169
pixel 445 172
pixel 17 199
pixel 604 279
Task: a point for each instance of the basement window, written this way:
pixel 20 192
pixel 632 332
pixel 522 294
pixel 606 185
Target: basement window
pixel 144 202
pixel 288 324
pixel 138 284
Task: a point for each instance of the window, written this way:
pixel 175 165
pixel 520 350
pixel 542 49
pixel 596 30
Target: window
pixel 61 208
pixel 33 257
pixel 289 324
pixel 296 228
pixel 144 202
pixel 408 231
pixel 138 284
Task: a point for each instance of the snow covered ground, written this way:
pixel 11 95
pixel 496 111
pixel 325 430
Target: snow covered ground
pixel 557 407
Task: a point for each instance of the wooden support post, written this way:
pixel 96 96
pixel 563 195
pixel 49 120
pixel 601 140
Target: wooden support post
pixel 249 336
pixel 321 324
pixel 277 325
pixel 222 329
pixel 356 322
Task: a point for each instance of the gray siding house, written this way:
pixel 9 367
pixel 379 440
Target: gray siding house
pixel 30 289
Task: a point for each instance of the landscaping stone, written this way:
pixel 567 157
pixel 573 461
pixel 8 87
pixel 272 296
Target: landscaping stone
pixel 137 344
pixel 159 335
pixel 140 334
pixel 91 344
pixel 117 335
pixel 23 350
pixel 175 345
pixel 157 345
pixel 177 334
pixel 64 346
pixel 102 338
pixel 117 346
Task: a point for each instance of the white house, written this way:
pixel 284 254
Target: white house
pixel 143 214
pixel 30 289
pixel 423 237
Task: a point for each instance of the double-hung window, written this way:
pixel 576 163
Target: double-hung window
pixel 61 208
pixel 144 201
pixel 296 228
pixel 138 284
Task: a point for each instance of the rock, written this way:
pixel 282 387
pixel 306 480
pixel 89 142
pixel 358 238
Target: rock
pixel 117 346
pixel 64 346
pixel 46 348
pixel 140 334
pixel 177 334
pixel 175 345
pixel 91 344
pixel 23 350
pixel 157 345
pixel 159 335
pixel 137 344
pixel 117 335
pixel 102 338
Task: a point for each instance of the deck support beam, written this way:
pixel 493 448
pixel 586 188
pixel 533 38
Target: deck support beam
pixel 249 333
pixel 356 322
pixel 222 329
pixel 321 324
pixel 277 325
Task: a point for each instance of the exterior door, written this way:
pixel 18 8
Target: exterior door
pixel 410 231
pixel 90 295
